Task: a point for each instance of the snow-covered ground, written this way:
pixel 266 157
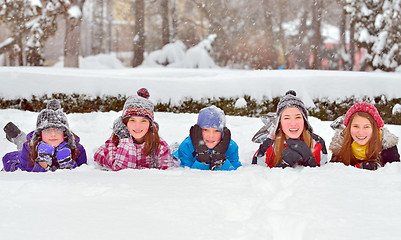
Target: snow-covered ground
pixel 254 202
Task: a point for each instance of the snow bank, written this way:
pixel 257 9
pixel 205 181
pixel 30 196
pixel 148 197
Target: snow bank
pixel 171 84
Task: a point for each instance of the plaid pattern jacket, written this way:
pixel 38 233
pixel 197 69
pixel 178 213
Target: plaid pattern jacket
pixel 130 155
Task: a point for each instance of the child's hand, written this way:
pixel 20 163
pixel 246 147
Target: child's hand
pixel 63 156
pixel 369 165
pixel 120 129
pixel 302 149
pixel 219 151
pixel 202 151
pixel 222 146
pixel 45 154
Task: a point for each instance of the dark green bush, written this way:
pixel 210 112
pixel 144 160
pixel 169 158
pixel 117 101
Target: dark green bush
pixel 325 109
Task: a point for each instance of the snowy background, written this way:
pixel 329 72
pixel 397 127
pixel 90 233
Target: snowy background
pixel 254 202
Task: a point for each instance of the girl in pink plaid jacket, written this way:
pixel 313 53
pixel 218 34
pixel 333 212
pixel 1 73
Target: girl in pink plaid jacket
pixel 135 142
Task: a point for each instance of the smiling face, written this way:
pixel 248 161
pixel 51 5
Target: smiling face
pixel 361 130
pixel 138 127
pixel 53 136
pixel 292 122
pixel 211 136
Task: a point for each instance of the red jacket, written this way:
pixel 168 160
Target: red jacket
pixel 265 152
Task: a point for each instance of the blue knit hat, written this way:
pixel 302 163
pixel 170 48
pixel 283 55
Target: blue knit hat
pixel 212 117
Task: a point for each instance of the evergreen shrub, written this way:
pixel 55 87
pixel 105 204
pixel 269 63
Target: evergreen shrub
pixel 325 109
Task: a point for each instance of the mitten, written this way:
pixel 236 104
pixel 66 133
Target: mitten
pixel 219 151
pixel 201 150
pixel 302 149
pixel 337 123
pixel 369 165
pixel 120 129
pixel 63 156
pixel 15 135
pixel 289 158
pixel 45 153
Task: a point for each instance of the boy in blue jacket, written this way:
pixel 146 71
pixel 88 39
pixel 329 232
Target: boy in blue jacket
pixel 209 145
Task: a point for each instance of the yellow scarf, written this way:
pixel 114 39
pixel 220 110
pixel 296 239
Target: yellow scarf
pixel 359 151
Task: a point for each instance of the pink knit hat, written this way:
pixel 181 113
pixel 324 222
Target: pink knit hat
pixel 364 107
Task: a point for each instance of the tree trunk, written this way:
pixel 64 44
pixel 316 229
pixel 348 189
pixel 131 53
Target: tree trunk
pixel 18 52
pixel 317 19
pixel 174 18
pixel 72 42
pixel 139 39
pixel 98 33
pixel 269 47
pixel 165 22
pixel 303 51
pixel 352 45
pixel 343 44
pixel 281 34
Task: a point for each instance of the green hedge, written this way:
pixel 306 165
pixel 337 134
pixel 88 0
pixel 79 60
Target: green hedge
pixel 324 109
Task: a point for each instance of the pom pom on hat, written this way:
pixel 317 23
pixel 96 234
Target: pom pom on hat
pixel 143 92
pixel 364 107
pixel 53 105
pixel 212 117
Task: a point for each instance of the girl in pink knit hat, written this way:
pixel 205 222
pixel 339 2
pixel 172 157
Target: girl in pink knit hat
pixel 362 141
pixel 135 141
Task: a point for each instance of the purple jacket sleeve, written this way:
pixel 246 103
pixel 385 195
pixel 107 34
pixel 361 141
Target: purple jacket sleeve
pixel 81 158
pixel 25 164
pixel 11 161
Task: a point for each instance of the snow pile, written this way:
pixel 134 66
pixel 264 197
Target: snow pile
pixel 174 55
pixel 396 109
pixel 169 54
pixel 101 61
pixel 256 203
pixel 174 84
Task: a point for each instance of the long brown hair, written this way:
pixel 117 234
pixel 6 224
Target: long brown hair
pixel 34 147
pixel 279 143
pixel 374 145
pixel 151 138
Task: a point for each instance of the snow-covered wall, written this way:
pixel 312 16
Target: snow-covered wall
pixel 171 84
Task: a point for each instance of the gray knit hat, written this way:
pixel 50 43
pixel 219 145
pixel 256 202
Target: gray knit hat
pixel 139 105
pixel 53 117
pixel 290 100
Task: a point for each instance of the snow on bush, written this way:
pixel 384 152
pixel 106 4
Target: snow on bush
pixel 174 55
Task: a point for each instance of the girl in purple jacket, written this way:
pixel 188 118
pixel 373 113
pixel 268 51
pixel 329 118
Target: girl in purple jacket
pixel 135 142
pixel 51 146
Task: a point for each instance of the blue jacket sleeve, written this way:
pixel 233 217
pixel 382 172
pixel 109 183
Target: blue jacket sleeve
pixel 185 153
pixel 232 158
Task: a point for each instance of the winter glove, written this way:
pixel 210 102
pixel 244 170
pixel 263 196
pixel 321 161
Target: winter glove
pixel 120 129
pixel 201 150
pixel 289 158
pixel 15 135
pixel 219 151
pixel 303 150
pixel 63 156
pixel 262 150
pixel 369 165
pixel 45 153
pixel 337 123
